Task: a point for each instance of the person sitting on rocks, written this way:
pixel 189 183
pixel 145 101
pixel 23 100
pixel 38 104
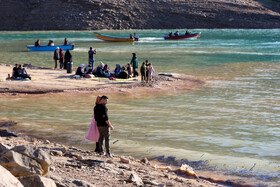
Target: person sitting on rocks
pixel 123 74
pixel 117 70
pixel 80 71
pixel 129 69
pixel 50 43
pixel 15 72
pixel 22 72
pixel 88 68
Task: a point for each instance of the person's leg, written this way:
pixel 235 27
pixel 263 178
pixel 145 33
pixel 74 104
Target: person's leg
pixel 107 139
pixel 55 64
pixel 101 137
pixel 97 147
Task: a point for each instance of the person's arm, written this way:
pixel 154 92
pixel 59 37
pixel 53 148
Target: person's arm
pixel 109 124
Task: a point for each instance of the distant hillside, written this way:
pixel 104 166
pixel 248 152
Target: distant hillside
pixel 137 14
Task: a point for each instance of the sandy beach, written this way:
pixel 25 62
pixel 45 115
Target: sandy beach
pixel 49 81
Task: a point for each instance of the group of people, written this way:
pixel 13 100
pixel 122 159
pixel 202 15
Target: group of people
pixel 177 33
pixel 19 72
pixel 127 71
pixel 51 43
pixel 62 58
pixel 135 37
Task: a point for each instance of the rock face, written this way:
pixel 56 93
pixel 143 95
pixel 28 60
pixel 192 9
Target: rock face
pixel 137 14
pixel 7 179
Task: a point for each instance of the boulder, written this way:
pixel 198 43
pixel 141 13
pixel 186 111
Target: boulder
pixel 37 181
pixel 3 148
pixel 38 154
pixel 7 179
pixel 135 179
pixel 20 165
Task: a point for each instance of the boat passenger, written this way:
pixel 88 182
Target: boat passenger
pixel 88 68
pixel 117 70
pixel 65 41
pixel 136 38
pixel 130 36
pixel 37 43
pixel 68 58
pixel 170 34
pixel 50 43
pixel 187 32
pixel 22 72
pixel 15 72
pixel 176 33
pixel 80 71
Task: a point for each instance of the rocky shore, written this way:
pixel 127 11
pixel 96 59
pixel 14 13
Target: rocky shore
pixel 30 161
pixel 17 15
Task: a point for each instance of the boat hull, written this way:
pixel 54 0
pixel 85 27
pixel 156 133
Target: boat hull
pixel 50 48
pixel 112 38
pixel 182 36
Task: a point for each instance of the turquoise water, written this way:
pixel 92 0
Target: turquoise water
pixel 231 123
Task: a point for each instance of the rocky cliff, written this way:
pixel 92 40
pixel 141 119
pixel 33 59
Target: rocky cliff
pixel 137 14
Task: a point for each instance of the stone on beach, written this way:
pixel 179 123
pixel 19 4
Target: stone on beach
pixel 7 179
pixel 37 154
pixel 135 179
pixel 20 165
pixel 37 181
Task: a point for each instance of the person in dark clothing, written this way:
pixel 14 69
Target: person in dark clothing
pixel 65 41
pixel 103 124
pixel 67 58
pixel 61 58
pixel 91 54
pixel 15 72
pixel 37 43
pixel 134 63
pixel 80 71
pixel 143 72
pixel 50 43
pixel 55 57
pixel 22 72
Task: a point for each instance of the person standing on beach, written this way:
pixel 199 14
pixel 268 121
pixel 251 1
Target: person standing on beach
pixel 143 72
pixel 103 124
pixel 68 58
pixel 134 63
pixel 55 57
pixel 61 58
pixel 91 54
pixel 93 133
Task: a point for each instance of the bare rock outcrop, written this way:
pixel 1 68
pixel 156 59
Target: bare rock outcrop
pixel 137 14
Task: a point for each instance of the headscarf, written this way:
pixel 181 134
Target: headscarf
pixel 82 65
pixel 118 69
pixel 101 65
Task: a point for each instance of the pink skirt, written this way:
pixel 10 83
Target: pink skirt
pixel 93 133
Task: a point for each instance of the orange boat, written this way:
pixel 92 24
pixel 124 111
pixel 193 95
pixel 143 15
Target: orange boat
pixel 112 38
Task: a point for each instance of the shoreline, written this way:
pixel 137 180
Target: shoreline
pixel 72 164
pixel 50 81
